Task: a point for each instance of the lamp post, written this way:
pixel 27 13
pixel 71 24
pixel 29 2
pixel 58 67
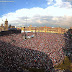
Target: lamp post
pixel 24 30
pixel 35 30
pixel 24 33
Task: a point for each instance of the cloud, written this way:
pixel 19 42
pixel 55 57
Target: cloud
pixel 60 3
pixel 50 2
pixel 63 4
pixel 59 14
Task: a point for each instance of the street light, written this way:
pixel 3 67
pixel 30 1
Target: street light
pixel 24 30
pixel 24 33
pixel 35 30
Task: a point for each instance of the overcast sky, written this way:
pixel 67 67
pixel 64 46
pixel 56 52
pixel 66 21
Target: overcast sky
pixel 51 13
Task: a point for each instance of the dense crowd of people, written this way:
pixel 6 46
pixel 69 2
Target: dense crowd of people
pixel 42 51
pixel 68 46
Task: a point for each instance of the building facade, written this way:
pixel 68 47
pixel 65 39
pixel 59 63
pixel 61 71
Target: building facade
pixel 45 29
pixel 5 27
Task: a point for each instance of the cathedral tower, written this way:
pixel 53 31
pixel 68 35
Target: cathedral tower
pixel 6 25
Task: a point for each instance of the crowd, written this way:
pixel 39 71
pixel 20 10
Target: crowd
pixel 68 45
pixel 42 51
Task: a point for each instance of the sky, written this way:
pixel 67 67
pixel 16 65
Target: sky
pixel 50 13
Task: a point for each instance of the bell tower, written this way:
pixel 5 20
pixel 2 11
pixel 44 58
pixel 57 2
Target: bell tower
pixel 6 25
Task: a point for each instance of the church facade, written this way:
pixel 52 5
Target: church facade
pixel 5 27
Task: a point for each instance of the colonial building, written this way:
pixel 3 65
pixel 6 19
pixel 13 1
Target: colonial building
pixel 5 27
pixel 1 27
pixel 45 29
pixel 70 27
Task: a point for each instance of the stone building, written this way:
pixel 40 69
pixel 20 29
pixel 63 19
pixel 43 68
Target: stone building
pixel 2 27
pixel 6 25
pixel 70 27
pixel 45 29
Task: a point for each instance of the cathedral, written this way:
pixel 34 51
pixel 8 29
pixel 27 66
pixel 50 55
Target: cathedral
pixel 5 27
